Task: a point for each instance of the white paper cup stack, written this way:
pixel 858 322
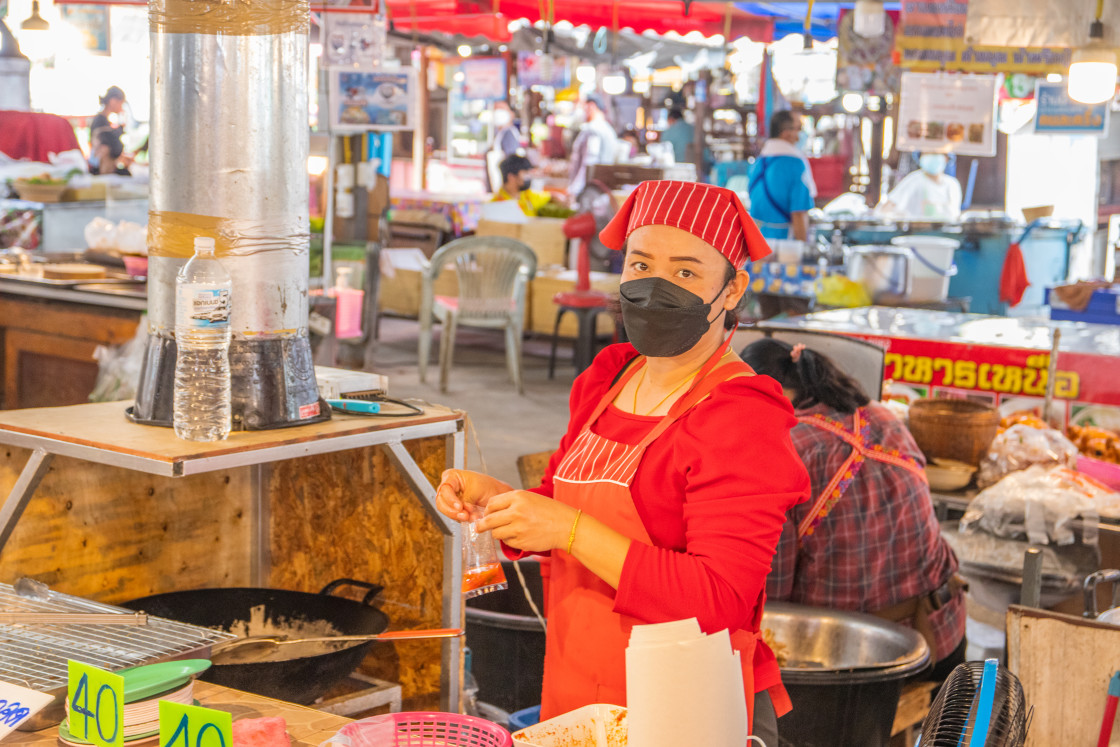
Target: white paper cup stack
pixel 684 687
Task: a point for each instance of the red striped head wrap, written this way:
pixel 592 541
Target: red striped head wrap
pixel 712 214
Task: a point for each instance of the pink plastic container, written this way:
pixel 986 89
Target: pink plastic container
pixel 417 729
pixel 135 266
pixel 1105 472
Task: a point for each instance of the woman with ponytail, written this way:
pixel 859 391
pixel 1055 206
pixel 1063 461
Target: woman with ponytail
pixel 867 540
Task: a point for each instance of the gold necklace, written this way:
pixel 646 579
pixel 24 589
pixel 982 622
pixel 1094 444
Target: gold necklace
pixel 687 379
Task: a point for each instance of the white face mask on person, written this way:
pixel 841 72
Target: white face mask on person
pixel 933 163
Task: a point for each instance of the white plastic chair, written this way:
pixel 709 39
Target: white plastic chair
pixel 494 274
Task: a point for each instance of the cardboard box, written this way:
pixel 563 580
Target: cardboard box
pixel 542 311
pixel 402 280
pixel 544 235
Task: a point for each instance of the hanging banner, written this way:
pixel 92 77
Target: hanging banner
pixel 1039 23
pixel 931 36
pixel 543 70
pixel 1058 114
pixel 485 79
pixel 866 64
pixel 945 113
pixel 355 41
pixel 361 101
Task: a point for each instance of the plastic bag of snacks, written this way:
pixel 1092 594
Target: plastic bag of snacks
pixel 1022 446
pixel 1041 503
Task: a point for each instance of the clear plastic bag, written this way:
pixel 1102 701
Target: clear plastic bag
pixel 1041 504
pixel 118 367
pixel 1022 446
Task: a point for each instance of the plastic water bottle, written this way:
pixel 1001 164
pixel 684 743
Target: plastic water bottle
pixel 202 334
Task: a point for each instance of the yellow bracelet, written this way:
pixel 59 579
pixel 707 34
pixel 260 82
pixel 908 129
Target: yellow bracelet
pixel 572 536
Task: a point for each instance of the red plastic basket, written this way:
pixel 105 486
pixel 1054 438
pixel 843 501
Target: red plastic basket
pixel 417 729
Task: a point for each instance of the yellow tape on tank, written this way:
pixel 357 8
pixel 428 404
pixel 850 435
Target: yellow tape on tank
pixel 237 18
pixel 173 234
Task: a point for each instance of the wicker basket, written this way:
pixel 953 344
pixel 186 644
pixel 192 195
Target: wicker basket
pixel 953 428
pixel 43 192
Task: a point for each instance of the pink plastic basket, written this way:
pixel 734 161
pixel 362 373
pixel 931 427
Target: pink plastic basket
pixel 418 729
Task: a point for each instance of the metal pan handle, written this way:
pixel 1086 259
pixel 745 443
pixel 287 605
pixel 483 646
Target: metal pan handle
pixel 1090 588
pixel 372 590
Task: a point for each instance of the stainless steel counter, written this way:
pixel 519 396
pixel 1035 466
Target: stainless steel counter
pixel 123 296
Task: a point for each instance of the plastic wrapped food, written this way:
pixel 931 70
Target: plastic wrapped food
pixel 1022 446
pixel 1095 442
pixel 1041 504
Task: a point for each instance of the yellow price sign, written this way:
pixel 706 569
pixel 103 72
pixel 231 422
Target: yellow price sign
pixel 193 726
pixel 96 699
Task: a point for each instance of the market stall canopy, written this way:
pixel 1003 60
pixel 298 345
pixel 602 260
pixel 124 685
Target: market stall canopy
pixel 469 17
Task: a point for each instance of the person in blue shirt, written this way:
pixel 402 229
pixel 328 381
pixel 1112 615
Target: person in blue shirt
pixel 780 182
pixel 681 135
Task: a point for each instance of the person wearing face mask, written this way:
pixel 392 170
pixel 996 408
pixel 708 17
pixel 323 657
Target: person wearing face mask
pixel 926 194
pixel 781 183
pixel 667 496
pixel 515 185
pixel 507 139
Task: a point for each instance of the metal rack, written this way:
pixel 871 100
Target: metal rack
pixel 47 442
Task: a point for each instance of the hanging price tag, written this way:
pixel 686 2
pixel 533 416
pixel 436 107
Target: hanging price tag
pixel 17 704
pixel 193 726
pixel 96 700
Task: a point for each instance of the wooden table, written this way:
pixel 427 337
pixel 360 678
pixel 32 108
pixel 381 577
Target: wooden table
pixel 306 726
pixel 125 510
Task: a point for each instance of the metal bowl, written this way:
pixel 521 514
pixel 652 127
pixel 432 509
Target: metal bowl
pixel 832 646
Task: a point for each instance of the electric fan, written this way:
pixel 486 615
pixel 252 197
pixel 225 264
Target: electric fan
pixel 980 705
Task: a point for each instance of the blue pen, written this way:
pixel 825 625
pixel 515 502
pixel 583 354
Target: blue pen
pixel 355 406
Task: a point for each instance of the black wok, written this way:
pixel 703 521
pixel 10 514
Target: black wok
pixel 298 680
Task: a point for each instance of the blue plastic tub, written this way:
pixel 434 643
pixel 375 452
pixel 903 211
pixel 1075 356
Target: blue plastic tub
pixel 524 718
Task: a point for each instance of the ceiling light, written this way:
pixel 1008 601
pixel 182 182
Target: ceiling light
pixel 870 18
pixel 1054 78
pixel 1092 70
pixel 585 74
pixel 614 84
pixel 852 102
pixel 316 165
pixel 464 50
pixel 35 22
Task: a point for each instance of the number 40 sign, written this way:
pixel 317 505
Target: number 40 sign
pixel 193 726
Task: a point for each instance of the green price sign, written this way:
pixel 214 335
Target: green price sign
pixel 193 726
pixel 96 700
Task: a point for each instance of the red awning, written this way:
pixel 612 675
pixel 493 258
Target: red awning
pixel 474 18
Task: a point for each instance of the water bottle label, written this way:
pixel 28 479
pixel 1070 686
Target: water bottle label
pixel 202 307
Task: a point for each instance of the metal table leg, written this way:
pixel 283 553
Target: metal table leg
pixel 451 685
pixel 29 479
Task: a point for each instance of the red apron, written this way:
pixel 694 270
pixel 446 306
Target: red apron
pixel 586 643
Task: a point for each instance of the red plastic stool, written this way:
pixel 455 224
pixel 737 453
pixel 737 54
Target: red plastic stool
pixel 587 306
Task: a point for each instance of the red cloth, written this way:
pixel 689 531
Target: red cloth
pixel 1013 280
pixel 712 214
pixel 35 136
pixel 880 544
pixel 712 492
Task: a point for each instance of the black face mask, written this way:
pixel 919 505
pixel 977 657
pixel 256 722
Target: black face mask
pixel 663 319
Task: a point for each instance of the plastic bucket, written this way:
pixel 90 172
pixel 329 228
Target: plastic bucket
pixel 931 267
pixel 507 642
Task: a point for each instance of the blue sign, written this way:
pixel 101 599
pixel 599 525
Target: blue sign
pixel 1058 114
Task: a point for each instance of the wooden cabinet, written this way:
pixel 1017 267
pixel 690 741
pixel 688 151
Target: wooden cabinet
pixel 48 345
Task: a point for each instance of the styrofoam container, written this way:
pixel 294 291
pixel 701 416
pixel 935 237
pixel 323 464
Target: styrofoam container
pixel 596 725
pixel 931 265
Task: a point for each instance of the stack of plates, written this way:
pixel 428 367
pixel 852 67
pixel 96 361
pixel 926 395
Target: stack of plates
pixel 144 687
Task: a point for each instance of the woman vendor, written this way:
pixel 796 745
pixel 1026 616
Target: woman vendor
pixel 667 495
pixel 869 541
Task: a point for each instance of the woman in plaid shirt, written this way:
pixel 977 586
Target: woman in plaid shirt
pixel 867 540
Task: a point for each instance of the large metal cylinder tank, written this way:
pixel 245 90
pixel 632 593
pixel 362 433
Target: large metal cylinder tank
pixel 228 147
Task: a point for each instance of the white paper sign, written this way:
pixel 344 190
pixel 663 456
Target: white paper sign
pixel 942 113
pixel 18 704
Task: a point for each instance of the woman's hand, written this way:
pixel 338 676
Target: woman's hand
pixel 527 521
pixel 462 494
